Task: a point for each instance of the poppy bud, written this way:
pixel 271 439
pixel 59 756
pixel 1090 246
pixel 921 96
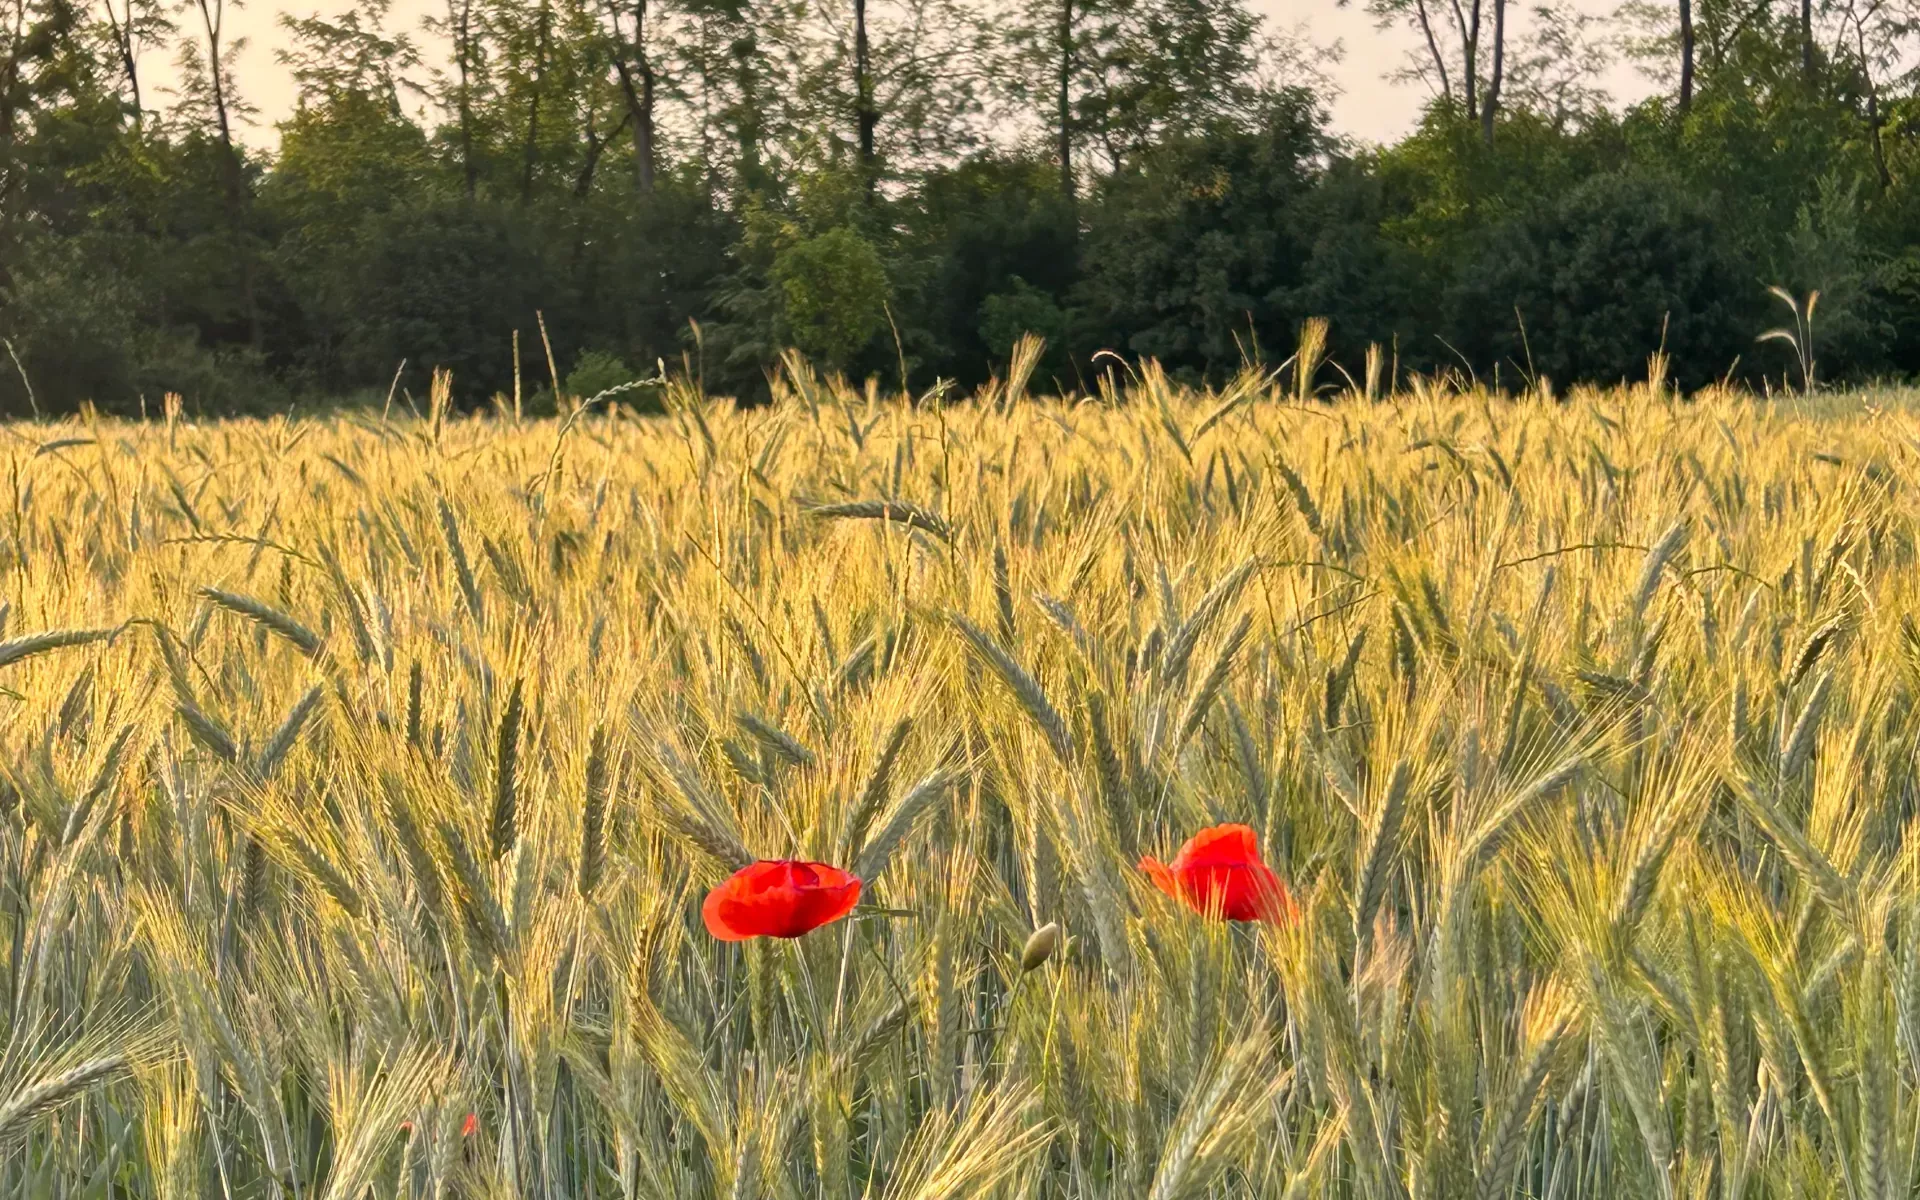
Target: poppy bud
pixel 1040 947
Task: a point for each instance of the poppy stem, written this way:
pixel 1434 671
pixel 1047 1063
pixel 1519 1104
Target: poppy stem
pixel 1006 1019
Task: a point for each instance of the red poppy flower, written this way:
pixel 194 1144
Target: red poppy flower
pixel 1218 873
pixel 467 1128
pixel 780 898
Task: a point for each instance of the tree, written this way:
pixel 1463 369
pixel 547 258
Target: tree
pixel 833 287
pixel 1453 50
pixel 208 97
pixel 1198 244
pixel 353 55
pixel 1050 45
pixel 458 94
pixel 866 117
pixel 1586 289
pixel 1686 56
pixel 633 60
pixel 1490 105
pixel 132 26
pixel 993 243
pixel 27 39
pixel 1161 69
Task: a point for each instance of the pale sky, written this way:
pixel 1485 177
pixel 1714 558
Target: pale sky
pixel 1368 107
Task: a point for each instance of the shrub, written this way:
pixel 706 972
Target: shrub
pixel 1022 309
pixel 445 284
pixel 833 287
pixel 1588 287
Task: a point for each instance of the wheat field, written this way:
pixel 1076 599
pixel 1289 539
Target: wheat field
pixel 364 777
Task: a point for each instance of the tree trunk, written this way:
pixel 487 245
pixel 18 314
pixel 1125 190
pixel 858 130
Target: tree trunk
pixel 213 19
pixel 129 65
pixel 1879 147
pixel 643 148
pixel 866 120
pixel 1469 45
pixel 460 17
pixel 1686 56
pixel 1066 99
pixel 596 146
pixel 1874 120
pixel 532 154
pixel 1806 40
pixel 1490 107
pixel 747 124
pixel 10 72
pixel 637 84
pixel 1433 49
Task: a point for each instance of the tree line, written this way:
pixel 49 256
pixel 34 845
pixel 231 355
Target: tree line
pixel 571 191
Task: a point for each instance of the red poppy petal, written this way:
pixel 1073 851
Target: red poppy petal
pixel 766 875
pixel 1270 899
pixel 1221 891
pixel 824 905
pixel 1281 909
pixel 1222 845
pixel 726 914
pixel 778 898
pixel 826 876
pixel 1162 876
pixel 472 1124
pixel 1207 890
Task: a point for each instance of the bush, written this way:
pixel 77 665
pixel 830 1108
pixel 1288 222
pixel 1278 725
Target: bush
pixel 997 240
pixel 74 325
pixel 1589 287
pixel 1006 316
pixel 73 333
pixel 834 288
pixel 445 285
pixel 595 371
pixel 1194 250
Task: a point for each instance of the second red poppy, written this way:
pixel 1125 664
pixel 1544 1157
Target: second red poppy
pixel 1219 873
pixel 780 898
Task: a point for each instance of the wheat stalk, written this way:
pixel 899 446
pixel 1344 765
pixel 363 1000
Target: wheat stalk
pixel 503 830
pixel 32 1100
pixel 897 512
pixel 293 632
pixel 22 648
pixel 1024 687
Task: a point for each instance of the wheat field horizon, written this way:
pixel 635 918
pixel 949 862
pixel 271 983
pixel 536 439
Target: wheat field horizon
pixel 389 804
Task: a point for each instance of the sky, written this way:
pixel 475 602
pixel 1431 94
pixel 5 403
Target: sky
pixel 1367 107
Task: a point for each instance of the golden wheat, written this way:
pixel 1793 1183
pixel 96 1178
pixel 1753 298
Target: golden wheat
pixel 1583 734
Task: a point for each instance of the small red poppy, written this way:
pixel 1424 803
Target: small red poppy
pixel 467 1128
pixel 781 898
pixel 1218 873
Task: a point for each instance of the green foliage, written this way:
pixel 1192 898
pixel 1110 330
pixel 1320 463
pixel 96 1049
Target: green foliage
pixel 1198 245
pixel 984 246
pixel 1023 309
pixel 1621 266
pixel 833 289
pixel 726 179
pixel 597 371
pixel 445 285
